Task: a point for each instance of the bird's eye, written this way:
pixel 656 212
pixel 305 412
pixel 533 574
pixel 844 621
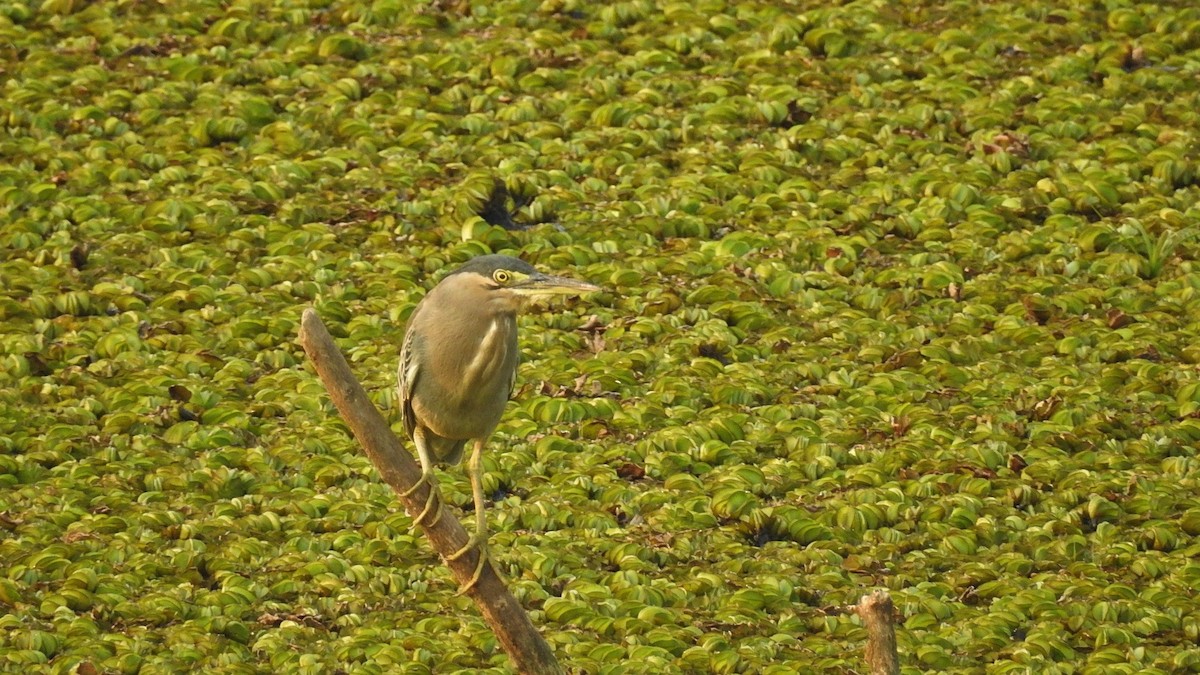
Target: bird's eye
pixel 501 276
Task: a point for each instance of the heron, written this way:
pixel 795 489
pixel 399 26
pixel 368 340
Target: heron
pixel 458 368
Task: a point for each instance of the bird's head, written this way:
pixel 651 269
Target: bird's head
pixel 514 283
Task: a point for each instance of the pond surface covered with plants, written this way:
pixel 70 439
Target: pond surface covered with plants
pixel 899 295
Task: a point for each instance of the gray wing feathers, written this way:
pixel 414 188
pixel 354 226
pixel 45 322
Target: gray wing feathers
pixel 407 376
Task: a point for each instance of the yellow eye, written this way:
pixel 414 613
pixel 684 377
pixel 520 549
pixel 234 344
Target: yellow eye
pixel 501 276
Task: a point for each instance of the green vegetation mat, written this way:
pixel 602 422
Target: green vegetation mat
pixel 900 295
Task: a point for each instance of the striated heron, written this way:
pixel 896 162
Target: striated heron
pixel 458 366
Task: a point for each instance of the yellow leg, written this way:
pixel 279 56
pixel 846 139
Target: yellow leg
pixel 426 478
pixel 479 539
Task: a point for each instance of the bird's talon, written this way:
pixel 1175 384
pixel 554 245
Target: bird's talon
pixel 434 498
pixel 472 542
pixel 425 478
pixel 429 506
pixel 478 573
pixel 437 515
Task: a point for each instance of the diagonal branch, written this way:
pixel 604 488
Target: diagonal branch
pixel 517 635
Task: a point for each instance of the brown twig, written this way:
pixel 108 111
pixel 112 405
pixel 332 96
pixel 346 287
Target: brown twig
pixel 517 635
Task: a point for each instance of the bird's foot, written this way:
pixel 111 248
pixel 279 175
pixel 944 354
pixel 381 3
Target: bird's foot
pixel 474 542
pixel 433 504
pixel 426 477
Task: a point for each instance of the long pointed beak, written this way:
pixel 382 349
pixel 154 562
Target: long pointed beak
pixel 544 285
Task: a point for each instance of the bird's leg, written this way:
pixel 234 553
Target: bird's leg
pixel 426 477
pixel 475 468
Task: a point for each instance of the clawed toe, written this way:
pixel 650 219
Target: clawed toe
pixel 473 542
pixel 426 477
pixel 432 503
